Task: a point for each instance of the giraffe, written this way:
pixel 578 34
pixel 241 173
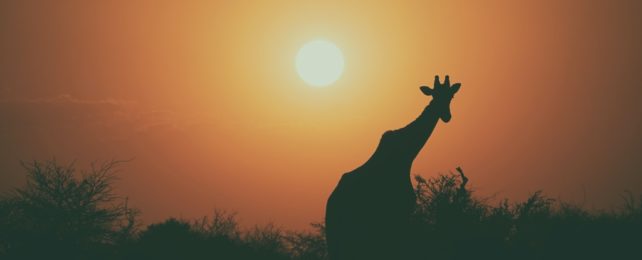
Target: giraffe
pixel 368 213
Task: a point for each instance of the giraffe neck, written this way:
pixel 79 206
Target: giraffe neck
pixel 398 148
pixel 418 131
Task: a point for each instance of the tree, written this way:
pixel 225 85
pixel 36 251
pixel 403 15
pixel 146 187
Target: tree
pixel 58 213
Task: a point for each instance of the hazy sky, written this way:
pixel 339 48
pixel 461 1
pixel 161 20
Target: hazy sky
pixel 205 97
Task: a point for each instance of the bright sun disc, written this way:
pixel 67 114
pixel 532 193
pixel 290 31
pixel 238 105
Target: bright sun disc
pixel 319 63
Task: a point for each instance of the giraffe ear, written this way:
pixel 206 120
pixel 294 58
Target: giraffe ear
pixel 455 88
pixel 426 90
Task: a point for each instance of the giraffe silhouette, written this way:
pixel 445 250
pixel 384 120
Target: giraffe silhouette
pixel 368 213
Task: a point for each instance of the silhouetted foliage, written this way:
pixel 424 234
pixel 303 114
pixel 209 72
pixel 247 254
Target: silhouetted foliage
pixel 308 245
pixel 59 215
pixel 451 224
pixel 172 239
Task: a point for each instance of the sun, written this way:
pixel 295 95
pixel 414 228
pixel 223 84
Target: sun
pixel 319 63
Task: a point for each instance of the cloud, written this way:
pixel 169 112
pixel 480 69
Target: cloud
pixel 107 119
pixel 67 99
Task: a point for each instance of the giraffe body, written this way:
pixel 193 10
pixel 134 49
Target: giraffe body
pixel 368 213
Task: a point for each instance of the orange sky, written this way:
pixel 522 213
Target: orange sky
pixel 205 97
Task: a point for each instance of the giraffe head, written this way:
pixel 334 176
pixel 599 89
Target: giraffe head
pixel 441 94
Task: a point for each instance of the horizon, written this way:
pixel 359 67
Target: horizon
pixel 207 100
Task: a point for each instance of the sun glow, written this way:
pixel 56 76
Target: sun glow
pixel 319 63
